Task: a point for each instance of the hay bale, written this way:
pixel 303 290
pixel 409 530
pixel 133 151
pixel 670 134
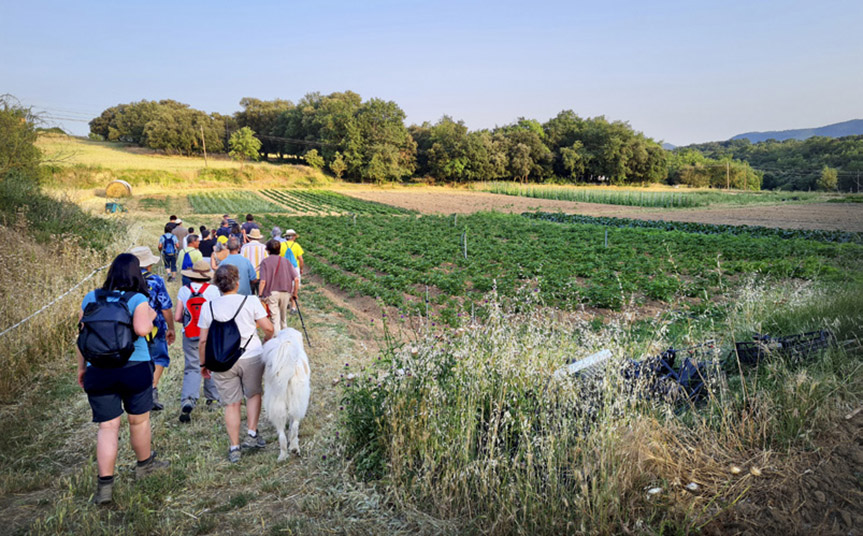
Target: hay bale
pixel 118 188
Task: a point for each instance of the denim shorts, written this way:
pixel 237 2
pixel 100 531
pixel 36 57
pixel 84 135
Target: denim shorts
pixel 158 348
pixel 111 390
pixel 170 262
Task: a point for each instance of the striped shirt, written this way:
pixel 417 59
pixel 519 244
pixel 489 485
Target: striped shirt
pixel 255 252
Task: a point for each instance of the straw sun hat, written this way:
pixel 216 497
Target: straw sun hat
pixel 145 256
pixel 255 234
pixel 200 271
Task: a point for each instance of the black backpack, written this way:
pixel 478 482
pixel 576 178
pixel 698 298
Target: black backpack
pixel 106 337
pixel 223 342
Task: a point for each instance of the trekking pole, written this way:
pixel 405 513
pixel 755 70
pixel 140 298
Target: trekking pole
pixel 300 314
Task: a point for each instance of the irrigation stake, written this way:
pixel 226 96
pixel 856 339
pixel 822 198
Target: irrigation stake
pixel 464 238
pixel 355 220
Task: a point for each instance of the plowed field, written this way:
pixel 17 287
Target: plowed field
pixel 828 216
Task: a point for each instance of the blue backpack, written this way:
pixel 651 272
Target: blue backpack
pixel 187 260
pixel 168 247
pixel 223 342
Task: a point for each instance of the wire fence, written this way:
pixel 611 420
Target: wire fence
pixel 52 302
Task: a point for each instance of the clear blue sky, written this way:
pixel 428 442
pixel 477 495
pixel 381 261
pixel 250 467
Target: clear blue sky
pixel 679 71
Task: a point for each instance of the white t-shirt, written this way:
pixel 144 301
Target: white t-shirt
pixel 224 309
pixel 184 294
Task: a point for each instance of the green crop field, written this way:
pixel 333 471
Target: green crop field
pixel 565 265
pixel 666 198
pixel 324 201
pixel 231 202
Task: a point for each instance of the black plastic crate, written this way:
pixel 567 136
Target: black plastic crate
pixel 795 347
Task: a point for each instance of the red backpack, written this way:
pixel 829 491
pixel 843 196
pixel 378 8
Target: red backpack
pixel 193 311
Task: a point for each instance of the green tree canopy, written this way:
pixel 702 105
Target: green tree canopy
pixel 829 179
pixel 17 138
pixel 263 117
pixel 244 145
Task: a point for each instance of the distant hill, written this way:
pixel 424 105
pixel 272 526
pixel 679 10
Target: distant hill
pixel 668 146
pixel 836 130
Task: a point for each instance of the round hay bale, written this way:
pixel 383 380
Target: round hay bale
pixel 118 188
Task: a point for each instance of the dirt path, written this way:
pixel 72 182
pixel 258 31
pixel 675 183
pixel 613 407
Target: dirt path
pixel 828 216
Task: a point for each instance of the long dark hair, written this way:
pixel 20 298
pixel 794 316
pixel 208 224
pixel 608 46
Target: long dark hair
pixel 125 274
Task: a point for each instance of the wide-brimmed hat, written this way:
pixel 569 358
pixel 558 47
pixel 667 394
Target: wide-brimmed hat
pixel 145 256
pixel 222 239
pixel 200 270
pixel 255 234
pixel 290 232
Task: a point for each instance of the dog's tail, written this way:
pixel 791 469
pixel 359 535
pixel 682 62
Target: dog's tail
pixel 281 361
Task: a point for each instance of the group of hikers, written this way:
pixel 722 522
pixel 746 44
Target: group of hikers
pixel 232 284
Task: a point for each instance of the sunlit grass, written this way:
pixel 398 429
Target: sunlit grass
pixel 473 425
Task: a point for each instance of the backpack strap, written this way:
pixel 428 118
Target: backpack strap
pixel 235 316
pixel 240 309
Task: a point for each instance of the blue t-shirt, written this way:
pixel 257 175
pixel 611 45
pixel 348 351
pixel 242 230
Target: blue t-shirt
pixel 172 238
pixel 159 300
pixel 246 269
pixel 141 352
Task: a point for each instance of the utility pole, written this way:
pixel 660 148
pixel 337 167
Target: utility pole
pixel 204 144
pixel 727 175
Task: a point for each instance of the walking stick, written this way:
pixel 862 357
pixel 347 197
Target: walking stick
pixel 300 313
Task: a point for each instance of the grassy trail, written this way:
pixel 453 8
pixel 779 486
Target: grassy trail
pixel 47 453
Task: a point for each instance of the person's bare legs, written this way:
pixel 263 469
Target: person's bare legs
pixel 157 373
pixel 232 422
pixel 107 439
pixel 139 435
pixel 253 411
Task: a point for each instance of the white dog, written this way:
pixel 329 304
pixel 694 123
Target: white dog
pixel 287 386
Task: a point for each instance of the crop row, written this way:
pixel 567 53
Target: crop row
pixel 701 228
pixel 654 199
pixel 231 202
pixel 396 259
pixel 324 201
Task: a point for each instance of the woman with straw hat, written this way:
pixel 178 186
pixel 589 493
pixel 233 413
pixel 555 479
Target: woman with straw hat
pixel 190 299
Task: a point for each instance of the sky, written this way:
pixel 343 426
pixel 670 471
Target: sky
pixel 678 71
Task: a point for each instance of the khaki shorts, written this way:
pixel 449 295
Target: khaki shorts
pixel 243 379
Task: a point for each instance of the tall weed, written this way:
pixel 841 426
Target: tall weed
pixel 473 424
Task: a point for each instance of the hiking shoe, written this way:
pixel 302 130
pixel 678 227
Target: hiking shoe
pixel 185 412
pixel 234 455
pixel 256 442
pixel 156 405
pixel 152 465
pixel 212 404
pixel 104 492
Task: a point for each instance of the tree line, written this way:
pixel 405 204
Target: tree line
pixel 814 163
pixel 368 141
